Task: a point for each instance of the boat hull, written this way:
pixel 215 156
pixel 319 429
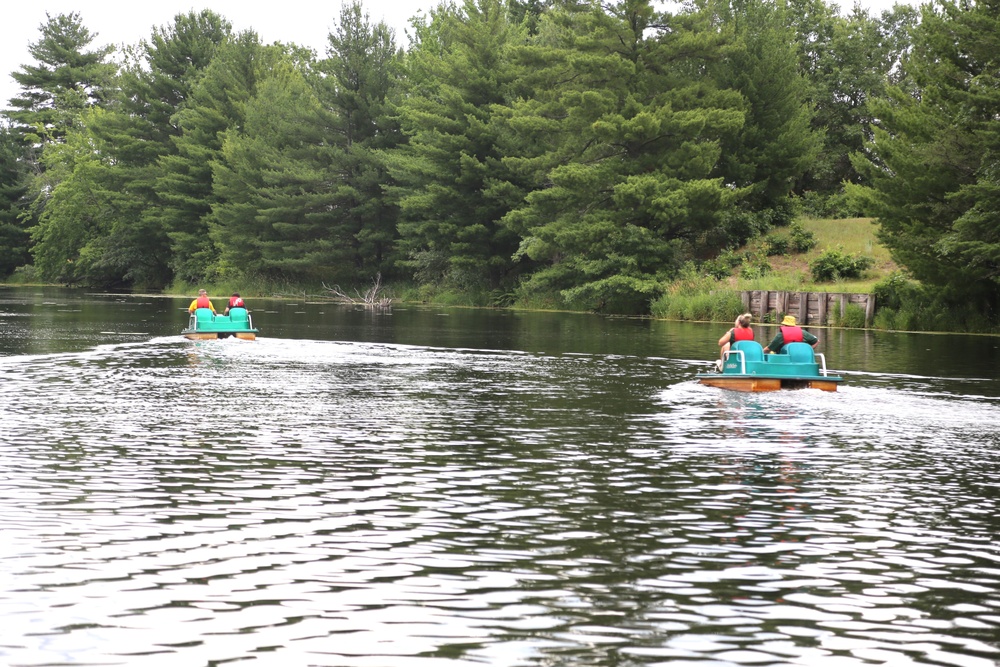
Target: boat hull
pixel 759 384
pixel 216 335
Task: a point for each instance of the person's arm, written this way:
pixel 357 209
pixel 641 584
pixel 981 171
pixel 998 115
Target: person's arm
pixel 775 343
pixel 809 338
pixel 726 337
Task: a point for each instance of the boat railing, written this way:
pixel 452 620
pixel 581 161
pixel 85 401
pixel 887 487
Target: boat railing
pixel 742 357
pixel 822 363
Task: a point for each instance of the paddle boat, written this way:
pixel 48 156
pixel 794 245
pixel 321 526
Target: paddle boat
pixel 206 325
pixel 747 368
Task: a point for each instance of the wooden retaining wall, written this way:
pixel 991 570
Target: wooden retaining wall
pixel 807 307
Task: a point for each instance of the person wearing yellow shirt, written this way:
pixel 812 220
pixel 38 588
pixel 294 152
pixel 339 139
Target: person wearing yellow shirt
pixel 201 302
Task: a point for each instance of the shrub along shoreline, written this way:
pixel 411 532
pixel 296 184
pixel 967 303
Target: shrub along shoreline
pixel 811 255
pixel 819 255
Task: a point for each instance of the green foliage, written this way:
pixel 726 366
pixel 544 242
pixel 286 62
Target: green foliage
pixel 853 317
pixel 834 205
pixel 186 179
pixel 621 153
pixel 801 239
pixel 903 304
pixel 755 265
pixel 776 245
pixel 359 87
pixel 722 266
pixel 696 297
pixel 564 155
pixel 14 237
pixel 931 162
pixel 776 144
pixel 450 181
pixel 65 80
pixel 835 265
pixel 849 61
pixel 895 291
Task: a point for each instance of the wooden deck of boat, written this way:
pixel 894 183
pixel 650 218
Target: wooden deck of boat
pixel 214 335
pixel 758 384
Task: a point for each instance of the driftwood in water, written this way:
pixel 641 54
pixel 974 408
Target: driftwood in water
pixel 373 296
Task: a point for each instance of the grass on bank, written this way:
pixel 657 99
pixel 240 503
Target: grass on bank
pixel 854 237
pixel 702 297
pixel 901 304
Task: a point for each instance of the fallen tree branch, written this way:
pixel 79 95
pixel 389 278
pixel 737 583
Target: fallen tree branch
pixel 372 297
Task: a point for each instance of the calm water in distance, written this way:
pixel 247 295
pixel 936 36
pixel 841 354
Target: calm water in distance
pixel 444 487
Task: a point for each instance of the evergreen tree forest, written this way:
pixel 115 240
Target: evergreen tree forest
pixel 577 154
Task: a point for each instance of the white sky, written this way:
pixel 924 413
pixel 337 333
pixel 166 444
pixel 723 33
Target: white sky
pixel 304 22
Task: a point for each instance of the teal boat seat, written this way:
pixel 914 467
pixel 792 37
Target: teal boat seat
pixel 799 353
pixel 204 314
pixel 751 349
pixel 238 314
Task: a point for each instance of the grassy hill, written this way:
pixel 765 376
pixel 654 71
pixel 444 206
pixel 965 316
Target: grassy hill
pixel 712 292
pixel 854 237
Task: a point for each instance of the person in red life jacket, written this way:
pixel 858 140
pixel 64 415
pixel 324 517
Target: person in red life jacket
pixel 201 302
pixel 235 301
pixel 741 331
pixel 789 333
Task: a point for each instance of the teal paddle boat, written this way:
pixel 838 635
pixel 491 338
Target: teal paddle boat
pixel 206 325
pixel 747 368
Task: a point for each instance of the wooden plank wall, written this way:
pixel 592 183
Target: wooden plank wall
pixel 807 307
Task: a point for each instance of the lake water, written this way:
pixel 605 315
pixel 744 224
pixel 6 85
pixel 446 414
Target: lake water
pixel 429 487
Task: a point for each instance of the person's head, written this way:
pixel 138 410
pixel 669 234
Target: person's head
pixel 236 295
pixel 745 319
pixel 788 321
pixel 202 292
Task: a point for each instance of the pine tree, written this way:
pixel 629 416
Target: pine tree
pixel 776 145
pixel 14 237
pixel 110 193
pixel 359 85
pixel 626 127
pixel 933 163
pixel 457 74
pixel 185 183
pixel 277 211
pixel 66 79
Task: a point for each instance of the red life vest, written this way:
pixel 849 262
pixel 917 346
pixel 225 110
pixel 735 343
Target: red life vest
pixel 791 334
pixel 236 302
pixel 743 333
pixel 203 302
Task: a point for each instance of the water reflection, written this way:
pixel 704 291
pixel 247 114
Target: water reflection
pixel 302 501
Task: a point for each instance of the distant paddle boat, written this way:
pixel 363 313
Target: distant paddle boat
pixel 747 368
pixel 206 325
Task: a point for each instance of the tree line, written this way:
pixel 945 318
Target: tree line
pixel 577 153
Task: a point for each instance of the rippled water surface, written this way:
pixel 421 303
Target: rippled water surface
pixel 427 487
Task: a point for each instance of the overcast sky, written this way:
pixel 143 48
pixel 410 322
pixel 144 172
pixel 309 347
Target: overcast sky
pixel 305 22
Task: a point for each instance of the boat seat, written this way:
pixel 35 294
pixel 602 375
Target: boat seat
pixel 204 314
pixel 799 353
pixel 751 349
pixel 238 314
